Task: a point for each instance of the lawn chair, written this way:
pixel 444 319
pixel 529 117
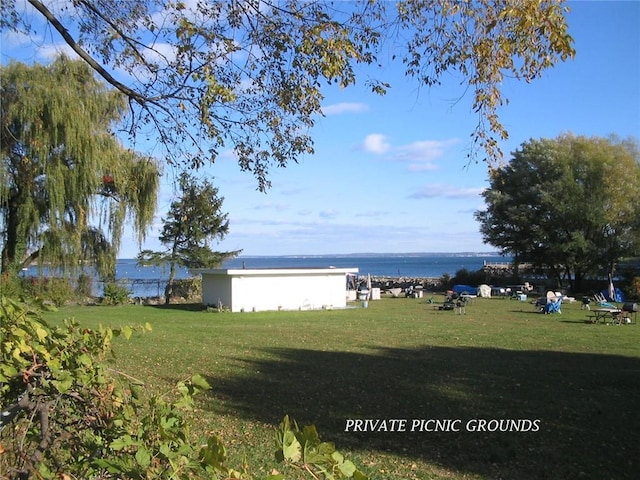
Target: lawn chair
pixel 602 301
pixel 553 305
pixel 599 297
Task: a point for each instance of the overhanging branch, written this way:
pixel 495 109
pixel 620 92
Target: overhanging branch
pixel 84 55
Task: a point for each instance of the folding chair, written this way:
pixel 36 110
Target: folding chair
pixel 553 306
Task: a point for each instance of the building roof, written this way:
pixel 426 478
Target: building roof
pixel 273 271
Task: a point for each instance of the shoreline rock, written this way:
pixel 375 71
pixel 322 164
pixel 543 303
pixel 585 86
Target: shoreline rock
pixel 385 283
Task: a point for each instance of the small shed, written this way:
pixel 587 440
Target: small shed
pixel 252 290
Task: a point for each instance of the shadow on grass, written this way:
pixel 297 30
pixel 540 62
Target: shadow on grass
pixel 183 307
pixel 587 406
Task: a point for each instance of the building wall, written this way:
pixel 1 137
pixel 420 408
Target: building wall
pixel 216 289
pixel 291 289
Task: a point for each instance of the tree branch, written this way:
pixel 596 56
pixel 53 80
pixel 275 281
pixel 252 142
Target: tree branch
pixel 84 55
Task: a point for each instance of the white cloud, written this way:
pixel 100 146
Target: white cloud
pixel 53 50
pixel 434 190
pixel 424 150
pixel 422 166
pixel 271 206
pixel 344 107
pixel 376 143
pixel 16 39
pixel 421 155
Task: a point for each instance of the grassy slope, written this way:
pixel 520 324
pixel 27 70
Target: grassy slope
pixel 402 359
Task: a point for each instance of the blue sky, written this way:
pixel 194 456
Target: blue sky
pixel 390 174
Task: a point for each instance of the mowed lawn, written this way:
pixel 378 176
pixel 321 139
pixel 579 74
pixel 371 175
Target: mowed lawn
pixel 401 359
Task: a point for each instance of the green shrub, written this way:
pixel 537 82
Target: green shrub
pixel 11 286
pixel 84 286
pixel 465 277
pixel 57 290
pixel 70 416
pixel 115 294
pixel 187 288
pixel 634 288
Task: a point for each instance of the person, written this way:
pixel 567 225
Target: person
pixel 461 303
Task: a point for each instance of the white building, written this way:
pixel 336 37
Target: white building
pixel 251 290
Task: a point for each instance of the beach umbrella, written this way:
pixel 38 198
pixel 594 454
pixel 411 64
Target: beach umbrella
pixel 611 290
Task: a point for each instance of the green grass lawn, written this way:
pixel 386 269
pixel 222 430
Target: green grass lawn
pixel 402 359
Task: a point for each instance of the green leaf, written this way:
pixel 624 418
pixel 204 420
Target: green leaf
pixel 85 360
pixel 7 372
pixel 44 472
pixel 199 381
pixel 109 465
pixel 122 442
pixel 347 468
pixel 310 435
pixel 41 333
pixel 358 475
pixel 291 448
pixel 213 453
pixel 337 457
pixel 127 332
pixel 19 332
pixel 143 457
pixel 64 382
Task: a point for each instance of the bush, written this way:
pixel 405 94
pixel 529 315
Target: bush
pixel 634 288
pixel 70 416
pixel 445 282
pixel 11 286
pixel 187 288
pixel 57 290
pixel 465 277
pixel 115 294
pixel 84 286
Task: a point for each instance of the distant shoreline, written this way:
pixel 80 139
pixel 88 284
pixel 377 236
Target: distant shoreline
pixel 371 254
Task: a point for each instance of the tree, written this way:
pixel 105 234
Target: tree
pixel 194 220
pixel 568 205
pixel 248 75
pixel 62 170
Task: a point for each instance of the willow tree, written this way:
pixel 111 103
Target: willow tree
pixel 67 186
pixel 248 76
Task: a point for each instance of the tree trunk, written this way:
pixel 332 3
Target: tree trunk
pixel 168 291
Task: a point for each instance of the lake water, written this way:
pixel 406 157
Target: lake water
pixel 150 281
pixel 407 265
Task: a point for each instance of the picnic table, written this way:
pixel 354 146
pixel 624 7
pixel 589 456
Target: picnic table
pixel 606 315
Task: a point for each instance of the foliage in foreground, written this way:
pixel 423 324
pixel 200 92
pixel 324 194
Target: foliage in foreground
pixel 66 414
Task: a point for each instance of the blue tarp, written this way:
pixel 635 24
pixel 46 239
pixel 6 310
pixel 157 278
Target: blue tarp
pixel 460 289
pixel 619 296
